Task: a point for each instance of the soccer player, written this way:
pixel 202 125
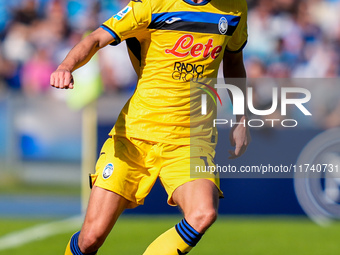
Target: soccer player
pixel 170 43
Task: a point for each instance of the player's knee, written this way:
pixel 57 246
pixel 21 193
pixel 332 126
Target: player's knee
pixel 202 219
pixel 90 242
pixel 209 217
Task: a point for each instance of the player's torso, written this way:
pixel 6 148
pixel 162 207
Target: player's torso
pixel 183 42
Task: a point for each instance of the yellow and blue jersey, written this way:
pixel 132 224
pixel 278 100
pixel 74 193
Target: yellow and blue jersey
pixel 171 43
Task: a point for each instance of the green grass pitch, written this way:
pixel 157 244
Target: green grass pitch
pixel 236 236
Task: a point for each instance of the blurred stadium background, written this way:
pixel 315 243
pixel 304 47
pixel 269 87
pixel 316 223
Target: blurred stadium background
pixel 43 130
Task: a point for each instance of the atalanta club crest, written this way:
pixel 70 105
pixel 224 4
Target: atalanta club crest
pixel 108 170
pixel 223 25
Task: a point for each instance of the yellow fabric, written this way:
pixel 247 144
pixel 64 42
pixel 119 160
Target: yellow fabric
pixel 160 108
pixel 68 249
pixel 169 243
pixel 130 167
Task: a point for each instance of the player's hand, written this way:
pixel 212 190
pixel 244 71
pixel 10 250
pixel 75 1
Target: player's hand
pixel 62 79
pixel 240 138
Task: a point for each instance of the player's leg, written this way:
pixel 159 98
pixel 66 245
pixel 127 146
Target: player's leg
pixel 122 180
pixel 103 211
pixel 198 200
pixel 196 195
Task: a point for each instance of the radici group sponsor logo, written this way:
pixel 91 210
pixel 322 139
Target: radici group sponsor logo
pixel 187 72
pixel 242 104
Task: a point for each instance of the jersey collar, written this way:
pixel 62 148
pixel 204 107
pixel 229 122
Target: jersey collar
pixel 192 3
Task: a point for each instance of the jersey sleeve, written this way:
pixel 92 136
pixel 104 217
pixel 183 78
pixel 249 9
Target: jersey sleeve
pixel 239 38
pixel 130 21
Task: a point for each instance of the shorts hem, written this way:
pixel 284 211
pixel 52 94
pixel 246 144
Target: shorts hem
pixel 170 201
pixel 132 202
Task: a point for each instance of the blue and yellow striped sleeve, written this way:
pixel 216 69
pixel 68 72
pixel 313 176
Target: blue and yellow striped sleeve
pixel 239 38
pixel 130 21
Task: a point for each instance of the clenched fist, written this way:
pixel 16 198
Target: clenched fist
pixel 62 79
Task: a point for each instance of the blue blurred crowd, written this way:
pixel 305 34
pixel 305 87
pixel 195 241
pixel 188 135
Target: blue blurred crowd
pixel 35 36
pixel 287 38
pixel 293 38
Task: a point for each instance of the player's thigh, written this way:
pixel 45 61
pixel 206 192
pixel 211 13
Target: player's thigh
pixel 179 170
pixel 115 187
pixel 197 195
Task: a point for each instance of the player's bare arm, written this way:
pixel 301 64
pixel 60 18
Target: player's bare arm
pixel 81 54
pixel 233 67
